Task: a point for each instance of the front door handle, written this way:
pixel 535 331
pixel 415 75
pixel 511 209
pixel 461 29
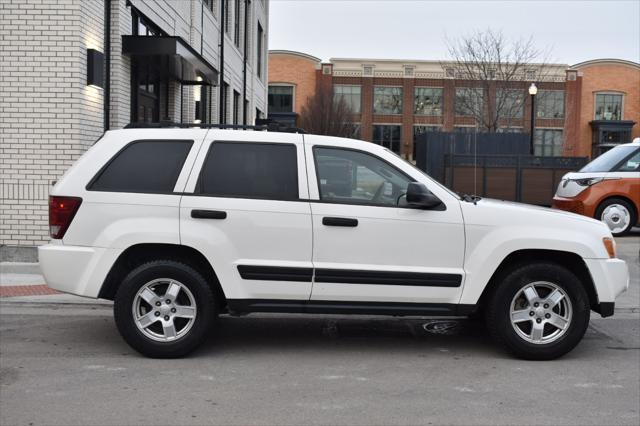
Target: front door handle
pixel 208 214
pixel 339 221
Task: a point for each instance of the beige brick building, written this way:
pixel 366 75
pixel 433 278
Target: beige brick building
pixel 52 108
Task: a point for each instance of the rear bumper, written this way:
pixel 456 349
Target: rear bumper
pixel 74 269
pixel 611 278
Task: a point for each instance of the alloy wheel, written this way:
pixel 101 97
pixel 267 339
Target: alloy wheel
pixel 164 310
pixel 541 312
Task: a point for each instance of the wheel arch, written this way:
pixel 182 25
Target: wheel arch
pixel 571 261
pixel 138 254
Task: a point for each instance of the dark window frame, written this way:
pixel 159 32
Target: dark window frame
pixel 102 169
pixel 198 188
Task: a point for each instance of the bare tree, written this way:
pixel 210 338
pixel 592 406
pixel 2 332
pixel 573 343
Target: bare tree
pixel 491 65
pixel 327 114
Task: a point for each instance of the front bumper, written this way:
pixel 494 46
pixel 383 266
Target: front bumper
pixel 74 269
pixel 610 278
pixel 568 204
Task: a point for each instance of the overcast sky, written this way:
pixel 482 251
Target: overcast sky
pixel 574 31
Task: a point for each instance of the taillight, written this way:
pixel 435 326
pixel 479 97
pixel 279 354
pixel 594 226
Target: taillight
pixel 61 213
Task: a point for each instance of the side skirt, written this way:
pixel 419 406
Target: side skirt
pixel 246 306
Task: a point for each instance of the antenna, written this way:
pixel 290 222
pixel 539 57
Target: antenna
pixel 475 160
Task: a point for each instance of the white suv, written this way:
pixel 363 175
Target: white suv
pixel 179 225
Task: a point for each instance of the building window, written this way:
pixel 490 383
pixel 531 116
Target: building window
pixel 260 52
pixel 464 129
pixel 428 101
pixel 608 106
pixel 351 95
pixel 469 101
pixel 547 142
pixel 509 130
pixel 280 98
pixel 227 16
pixel 225 101
pixel 387 100
pixel 387 136
pixel 418 130
pixel 236 107
pixel 236 22
pixel 211 5
pixel 200 98
pixel 510 103
pixel 550 104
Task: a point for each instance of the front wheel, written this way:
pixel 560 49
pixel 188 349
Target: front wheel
pixel 618 214
pixel 164 309
pixel 539 311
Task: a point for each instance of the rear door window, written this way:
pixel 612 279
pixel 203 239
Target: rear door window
pixel 150 166
pixel 250 170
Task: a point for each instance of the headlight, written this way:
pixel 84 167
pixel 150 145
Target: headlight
pixel 588 181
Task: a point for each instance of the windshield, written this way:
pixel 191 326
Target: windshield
pixel 609 159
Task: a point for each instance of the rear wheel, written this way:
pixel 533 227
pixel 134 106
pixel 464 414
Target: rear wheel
pixel 164 309
pixel 618 214
pixel 539 311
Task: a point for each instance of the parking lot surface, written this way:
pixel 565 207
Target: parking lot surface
pixel 66 364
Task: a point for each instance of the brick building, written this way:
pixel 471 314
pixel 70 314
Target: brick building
pixel 72 69
pixel 395 100
pixel 292 80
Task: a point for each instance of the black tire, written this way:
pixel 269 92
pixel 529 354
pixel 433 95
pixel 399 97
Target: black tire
pixel 498 310
pixel 190 278
pixel 632 211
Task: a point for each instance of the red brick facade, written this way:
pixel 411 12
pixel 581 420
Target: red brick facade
pixel 578 84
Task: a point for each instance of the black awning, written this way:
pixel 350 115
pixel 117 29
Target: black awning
pixel 183 62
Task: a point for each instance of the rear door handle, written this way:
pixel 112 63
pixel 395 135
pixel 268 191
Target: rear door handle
pixel 208 214
pixel 339 221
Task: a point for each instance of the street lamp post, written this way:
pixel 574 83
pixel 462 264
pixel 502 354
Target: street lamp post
pixel 533 90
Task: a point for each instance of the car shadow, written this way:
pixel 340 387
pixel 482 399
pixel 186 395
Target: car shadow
pixel 281 334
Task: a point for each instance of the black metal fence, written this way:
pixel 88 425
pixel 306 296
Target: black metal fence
pixel 496 165
pixel 431 147
pixel 521 178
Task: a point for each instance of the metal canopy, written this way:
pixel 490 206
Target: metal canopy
pixel 183 62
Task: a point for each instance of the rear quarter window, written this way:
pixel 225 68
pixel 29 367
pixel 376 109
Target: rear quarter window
pixel 151 166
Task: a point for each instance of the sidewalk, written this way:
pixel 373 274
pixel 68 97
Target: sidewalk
pixel 24 283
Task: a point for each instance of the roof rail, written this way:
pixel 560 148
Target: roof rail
pixel 170 124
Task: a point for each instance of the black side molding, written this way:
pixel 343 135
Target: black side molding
pixel 246 306
pixel 340 221
pixel 387 278
pixel 208 214
pixel 275 273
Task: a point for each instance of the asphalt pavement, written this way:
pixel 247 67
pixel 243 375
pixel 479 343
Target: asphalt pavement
pixel 64 363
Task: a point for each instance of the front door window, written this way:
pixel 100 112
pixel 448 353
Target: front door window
pixel 353 177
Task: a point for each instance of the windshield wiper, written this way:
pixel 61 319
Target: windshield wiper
pixel 470 198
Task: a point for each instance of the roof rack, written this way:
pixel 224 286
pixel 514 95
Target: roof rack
pixel 274 127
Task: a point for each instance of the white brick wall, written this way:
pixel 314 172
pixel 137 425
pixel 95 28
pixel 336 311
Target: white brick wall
pixel 49 116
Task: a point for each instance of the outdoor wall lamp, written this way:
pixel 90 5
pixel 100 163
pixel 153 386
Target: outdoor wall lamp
pixel 95 68
pixel 533 90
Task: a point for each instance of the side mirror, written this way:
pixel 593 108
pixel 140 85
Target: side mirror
pixel 419 196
